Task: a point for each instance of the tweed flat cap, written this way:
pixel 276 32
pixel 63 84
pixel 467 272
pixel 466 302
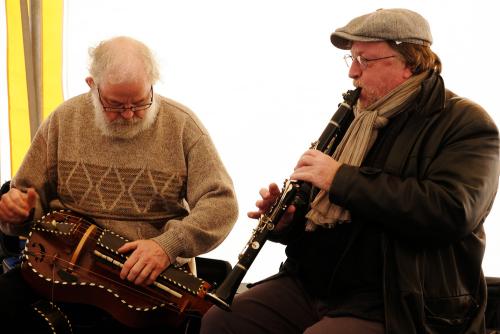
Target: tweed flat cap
pixel 397 24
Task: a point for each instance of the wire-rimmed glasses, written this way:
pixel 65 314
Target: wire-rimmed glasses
pixel 362 61
pixel 123 109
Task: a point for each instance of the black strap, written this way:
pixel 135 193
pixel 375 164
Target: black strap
pixel 5 187
pixel 9 245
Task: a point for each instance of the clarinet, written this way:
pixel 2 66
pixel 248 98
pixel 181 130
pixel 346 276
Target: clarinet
pixel 294 192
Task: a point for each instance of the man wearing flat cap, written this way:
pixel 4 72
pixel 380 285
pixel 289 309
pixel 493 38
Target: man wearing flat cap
pixel 393 241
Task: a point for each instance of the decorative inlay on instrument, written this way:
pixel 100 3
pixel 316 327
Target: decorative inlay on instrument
pixel 68 258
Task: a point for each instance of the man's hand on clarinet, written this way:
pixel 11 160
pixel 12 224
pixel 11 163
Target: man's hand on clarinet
pixel 316 168
pixel 269 196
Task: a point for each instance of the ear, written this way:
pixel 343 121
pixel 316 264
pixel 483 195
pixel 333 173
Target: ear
pixel 407 72
pixel 90 82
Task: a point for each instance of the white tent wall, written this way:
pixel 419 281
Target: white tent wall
pixel 264 78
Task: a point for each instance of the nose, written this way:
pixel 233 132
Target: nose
pixel 355 70
pixel 127 114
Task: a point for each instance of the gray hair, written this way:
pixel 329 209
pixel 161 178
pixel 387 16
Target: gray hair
pixel 122 59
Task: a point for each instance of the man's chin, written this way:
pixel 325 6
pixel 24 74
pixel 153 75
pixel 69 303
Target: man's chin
pixel 361 103
pixel 122 131
pixel 365 101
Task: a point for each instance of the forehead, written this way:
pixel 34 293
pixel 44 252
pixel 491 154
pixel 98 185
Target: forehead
pixel 127 90
pixel 360 48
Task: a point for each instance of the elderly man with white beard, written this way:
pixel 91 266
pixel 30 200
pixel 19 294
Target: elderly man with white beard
pixel 137 163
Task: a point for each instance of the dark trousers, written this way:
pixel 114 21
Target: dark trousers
pixel 280 305
pixel 17 310
pixel 16 299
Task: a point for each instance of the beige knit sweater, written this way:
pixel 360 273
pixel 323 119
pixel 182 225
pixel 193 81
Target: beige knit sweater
pixel 167 184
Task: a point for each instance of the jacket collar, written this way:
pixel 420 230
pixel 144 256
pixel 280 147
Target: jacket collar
pixel 430 101
pixel 432 96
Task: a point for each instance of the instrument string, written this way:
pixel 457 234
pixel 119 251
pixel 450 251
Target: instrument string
pixel 81 226
pixel 52 286
pixel 77 221
pixel 83 269
pixel 81 222
pixel 77 261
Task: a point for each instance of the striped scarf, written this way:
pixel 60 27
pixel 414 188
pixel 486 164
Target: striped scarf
pixel 357 141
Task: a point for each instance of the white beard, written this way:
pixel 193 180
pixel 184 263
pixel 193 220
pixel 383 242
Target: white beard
pixel 121 128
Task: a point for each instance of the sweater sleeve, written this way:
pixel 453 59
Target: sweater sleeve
pixel 33 173
pixel 212 204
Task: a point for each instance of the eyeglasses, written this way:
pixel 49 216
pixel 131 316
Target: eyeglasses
pixel 123 109
pixel 362 61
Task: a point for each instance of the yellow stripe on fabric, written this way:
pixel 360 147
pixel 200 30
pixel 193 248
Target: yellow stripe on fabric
pixel 19 124
pixel 52 33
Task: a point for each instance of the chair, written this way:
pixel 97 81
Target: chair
pixel 492 313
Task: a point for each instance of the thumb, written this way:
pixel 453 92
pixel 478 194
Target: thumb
pixel 31 197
